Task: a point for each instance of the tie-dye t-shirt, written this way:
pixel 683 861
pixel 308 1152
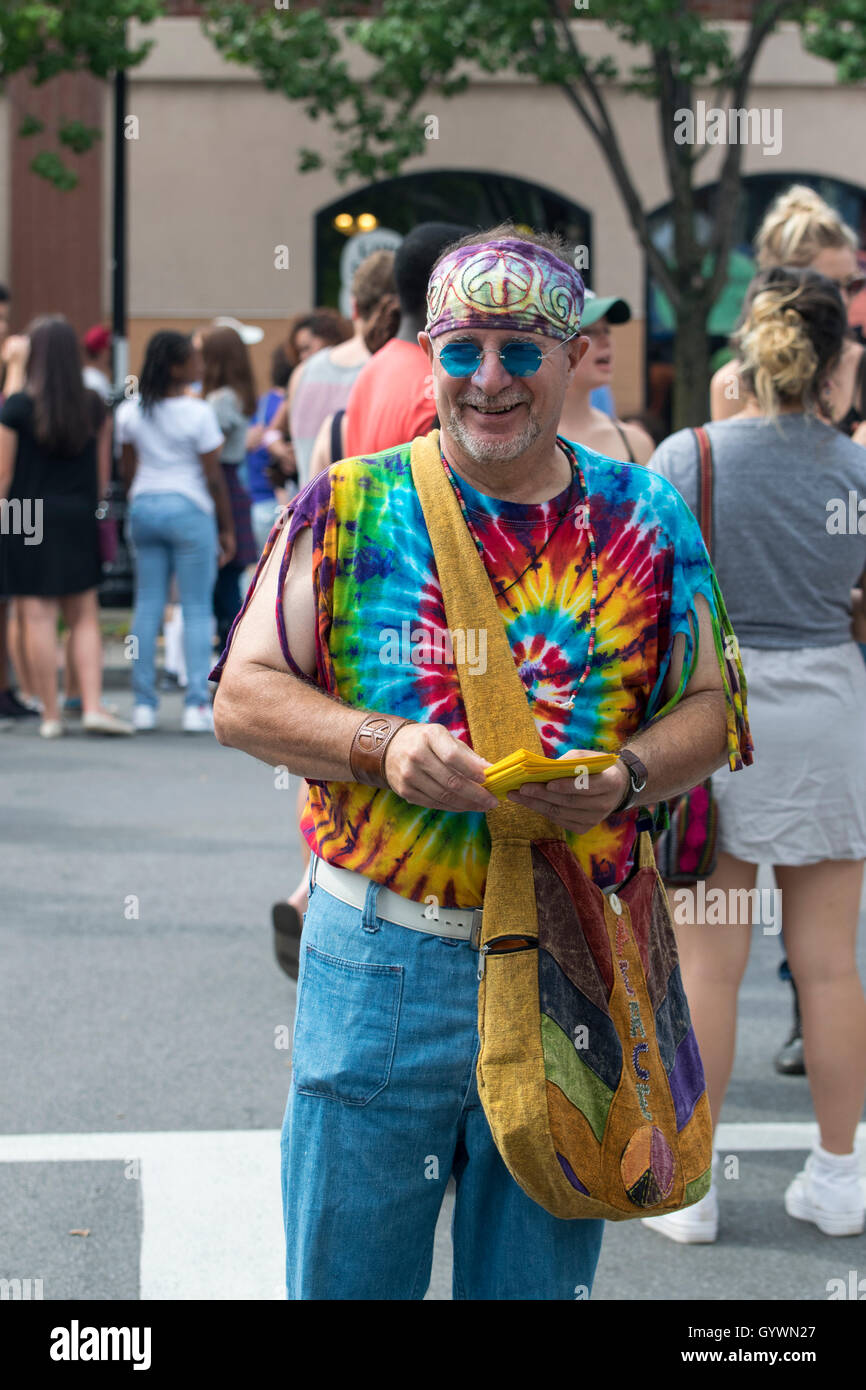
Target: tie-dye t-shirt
pixel 381 644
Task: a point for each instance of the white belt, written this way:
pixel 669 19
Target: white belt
pixel 458 923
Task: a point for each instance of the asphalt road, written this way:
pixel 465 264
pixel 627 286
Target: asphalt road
pixel 142 1012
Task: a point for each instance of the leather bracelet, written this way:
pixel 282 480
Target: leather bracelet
pixel 369 746
pixel 635 769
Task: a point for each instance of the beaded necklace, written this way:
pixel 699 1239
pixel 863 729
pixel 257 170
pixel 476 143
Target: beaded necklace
pixel 498 587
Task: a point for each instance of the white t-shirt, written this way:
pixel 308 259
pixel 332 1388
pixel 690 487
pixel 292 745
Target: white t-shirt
pixel 169 441
pixel 97 381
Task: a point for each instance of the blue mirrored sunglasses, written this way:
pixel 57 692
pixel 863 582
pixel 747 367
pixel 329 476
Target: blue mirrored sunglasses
pixel 518 358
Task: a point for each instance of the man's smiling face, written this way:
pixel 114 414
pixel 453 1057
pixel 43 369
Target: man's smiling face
pixel 493 416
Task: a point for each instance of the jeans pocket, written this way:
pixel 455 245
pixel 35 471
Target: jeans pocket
pixel 346 1027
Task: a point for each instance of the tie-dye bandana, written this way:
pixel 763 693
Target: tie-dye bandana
pixel 508 284
pixel 383 644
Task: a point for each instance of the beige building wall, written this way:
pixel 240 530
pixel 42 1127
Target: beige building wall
pixel 214 188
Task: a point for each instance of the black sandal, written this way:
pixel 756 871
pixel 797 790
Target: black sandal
pixel 287 937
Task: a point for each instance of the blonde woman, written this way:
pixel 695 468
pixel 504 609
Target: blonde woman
pixel 800 229
pixel 787 565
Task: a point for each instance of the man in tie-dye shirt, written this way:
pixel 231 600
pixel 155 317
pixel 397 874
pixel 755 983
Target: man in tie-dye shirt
pixel 341 668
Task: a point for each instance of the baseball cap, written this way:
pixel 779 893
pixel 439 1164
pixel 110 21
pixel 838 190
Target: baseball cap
pixel 247 332
pixel 97 339
pixel 594 308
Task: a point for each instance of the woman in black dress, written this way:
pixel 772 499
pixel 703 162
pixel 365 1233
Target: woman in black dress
pixel 55 462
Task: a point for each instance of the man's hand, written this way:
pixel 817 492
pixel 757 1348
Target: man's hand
pixel 227 547
pixel 254 438
pixel 428 766
pixel 16 349
pixel 570 804
pixel 283 455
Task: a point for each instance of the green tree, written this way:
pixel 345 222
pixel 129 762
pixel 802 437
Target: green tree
pixel 44 38
pixel 413 47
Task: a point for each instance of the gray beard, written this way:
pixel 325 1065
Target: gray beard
pixel 493 450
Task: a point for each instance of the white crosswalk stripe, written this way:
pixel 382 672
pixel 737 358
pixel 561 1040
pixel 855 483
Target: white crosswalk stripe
pixel 211 1199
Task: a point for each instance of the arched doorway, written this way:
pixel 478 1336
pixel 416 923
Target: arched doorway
pixel 476 198
pixel 757 192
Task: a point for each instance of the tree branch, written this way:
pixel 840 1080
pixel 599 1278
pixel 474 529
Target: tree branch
pixel 673 96
pixel 763 23
pixel 724 83
pixel 605 136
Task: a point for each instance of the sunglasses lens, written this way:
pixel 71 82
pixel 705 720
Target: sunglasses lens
pixel 460 359
pixel 521 359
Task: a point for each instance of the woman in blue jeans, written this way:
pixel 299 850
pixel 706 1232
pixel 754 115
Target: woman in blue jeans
pixel 180 520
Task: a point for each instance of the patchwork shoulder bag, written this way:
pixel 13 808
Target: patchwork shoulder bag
pixel 588 1071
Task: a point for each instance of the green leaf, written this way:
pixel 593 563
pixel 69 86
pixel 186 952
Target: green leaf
pixel 77 136
pixel 30 125
pixel 308 160
pixel 48 165
pixel 45 38
pixel 837 32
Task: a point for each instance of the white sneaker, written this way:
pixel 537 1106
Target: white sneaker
pixel 831 1197
pixel 197 719
pixel 144 718
pixel 694 1225
pixel 101 722
pixel 52 728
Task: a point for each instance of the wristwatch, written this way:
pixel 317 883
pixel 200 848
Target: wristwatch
pixel 637 778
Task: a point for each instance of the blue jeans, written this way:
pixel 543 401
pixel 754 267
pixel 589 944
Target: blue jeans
pixel 171 535
pixel 383 1108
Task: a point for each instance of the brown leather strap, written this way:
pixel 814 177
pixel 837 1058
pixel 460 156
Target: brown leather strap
pixel 634 765
pixel 705 487
pixel 369 746
pixel 624 437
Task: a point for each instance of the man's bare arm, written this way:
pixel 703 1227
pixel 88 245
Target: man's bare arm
pixel 690 742
pixel 262 708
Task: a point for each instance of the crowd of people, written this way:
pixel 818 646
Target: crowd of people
pixel 791 582
pixel 209 465
pixel 206 465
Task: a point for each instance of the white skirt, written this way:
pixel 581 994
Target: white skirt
pixel 803 799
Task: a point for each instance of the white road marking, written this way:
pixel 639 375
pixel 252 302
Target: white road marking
pixel 213 1225
pixel 766 1136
